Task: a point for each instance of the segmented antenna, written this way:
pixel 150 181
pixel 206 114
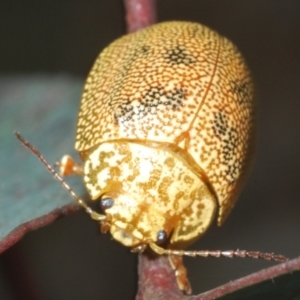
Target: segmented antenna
pixel 94 215
pixel 229 253
pixel 217 253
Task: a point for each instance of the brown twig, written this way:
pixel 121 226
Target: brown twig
pixel 139 14
pixel 13 237
pixel 157 280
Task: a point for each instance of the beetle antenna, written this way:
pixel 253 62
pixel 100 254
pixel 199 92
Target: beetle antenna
pixel 233 253
pixel 94 215
pixel 219 253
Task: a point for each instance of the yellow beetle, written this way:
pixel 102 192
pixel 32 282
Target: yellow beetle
pixel 165 131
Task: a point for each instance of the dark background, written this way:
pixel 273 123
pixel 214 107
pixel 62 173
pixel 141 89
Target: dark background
pixel 70 259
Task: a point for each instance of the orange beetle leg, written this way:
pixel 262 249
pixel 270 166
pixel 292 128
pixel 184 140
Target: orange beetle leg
pixel 68 166
pixel 180 273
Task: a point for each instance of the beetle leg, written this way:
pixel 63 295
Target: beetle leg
pixel 177 265
pixel 180 273
pixel 68 166
pixel 104 226
pixel 139 249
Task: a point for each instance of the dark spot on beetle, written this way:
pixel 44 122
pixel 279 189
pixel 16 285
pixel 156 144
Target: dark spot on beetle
pixel 220 124
pixel 124 111
pixel 145 49
pixel 161 237
pixel 150 102
pixel 230 154
pixel 141 51
pixel 156 96
pixel 178 55
pixel 106 203
pixel 230 141
pixel 242 89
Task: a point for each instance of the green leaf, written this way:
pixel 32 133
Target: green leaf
pixel 44 109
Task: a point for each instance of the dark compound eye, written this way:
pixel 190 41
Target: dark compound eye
pixel 106 203
pixel 161 237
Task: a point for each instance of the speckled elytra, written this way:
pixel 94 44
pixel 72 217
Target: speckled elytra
pixel 165 131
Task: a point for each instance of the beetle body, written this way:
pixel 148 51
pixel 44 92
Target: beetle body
pixel 165 131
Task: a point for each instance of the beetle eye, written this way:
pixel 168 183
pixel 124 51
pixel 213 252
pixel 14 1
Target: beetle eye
pixel 161 237
pixel 106 203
